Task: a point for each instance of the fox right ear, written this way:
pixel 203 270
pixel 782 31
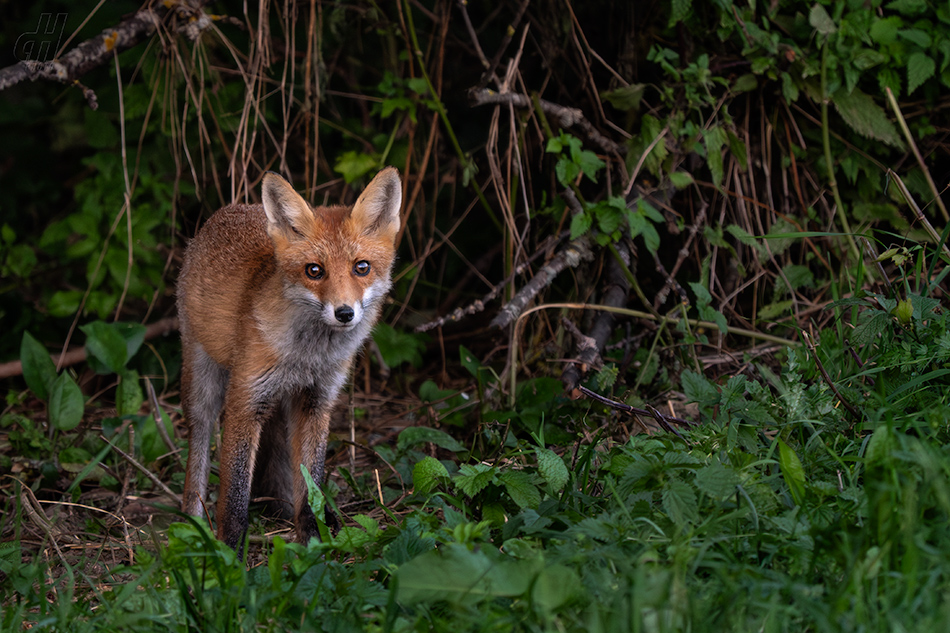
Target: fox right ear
pixel 287 212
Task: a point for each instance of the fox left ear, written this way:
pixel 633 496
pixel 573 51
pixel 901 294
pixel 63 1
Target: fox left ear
pixel 377 209
pixel 287 213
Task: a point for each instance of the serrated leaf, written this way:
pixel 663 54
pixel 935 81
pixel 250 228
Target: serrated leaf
pixel 865 117
pixel 66 403
pixel 867 331
pixel 38 368
pixel 920 68
pixel 410 436
pixel 472 478
pixel 819 19
pixel 698 388
pixel 625 98
pixel 717 481
pixel 520 489
pixel 792 471
pixel 580 224
pixel 679 501
pixel 679 10
pixel 552 468
pixel 427 474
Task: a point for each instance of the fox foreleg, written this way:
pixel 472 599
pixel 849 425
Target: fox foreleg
pixel 310 428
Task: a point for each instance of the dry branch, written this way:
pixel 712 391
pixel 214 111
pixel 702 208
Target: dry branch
pixel 566 117
pixel 101 48
pixel 78 354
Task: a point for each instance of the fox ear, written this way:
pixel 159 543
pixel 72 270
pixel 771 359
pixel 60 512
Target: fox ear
pixel 377 209
pixel 287 213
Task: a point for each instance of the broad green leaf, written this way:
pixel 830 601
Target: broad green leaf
pixel 554 587
pixel 520 489
pixel 412 435
pixel 472 478
pixel 884 30
pixel 552 469
pixel 66 403
pixel 818 17
pixel 38 368
pixel 469 361
pixel 865 117
pixel 427 474
pixel 106 345
pixel 459 576
pixel 867 331
pixel 792 471
pixel 354 165
pixel 625 98
pixel 920 68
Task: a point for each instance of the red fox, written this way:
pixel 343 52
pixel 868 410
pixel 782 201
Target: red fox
pixel 274 302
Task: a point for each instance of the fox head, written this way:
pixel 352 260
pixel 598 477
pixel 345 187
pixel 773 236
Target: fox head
pixel 336 260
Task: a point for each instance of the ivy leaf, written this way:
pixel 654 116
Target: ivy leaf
pixel 865 117
pixel 920 68
pixel 552 468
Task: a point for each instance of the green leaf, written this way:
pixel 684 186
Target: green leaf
pixel 681 179
pixel 66 403
pixel 884 30
pixel 520 489
pixel 819 19
pixel 920 68
pixel 865 117
pixel 589 163
pixel 552 469
pixel 679 11
pixel 717 481
pixel 625 98
pixel 715 138
pixel 354 165
pixel 867 331
pixel 399 347
pixel 566 171
pixel 792 471
pixel 128 394
pixel 554 587
pixel 38 368
pixel 580 224
pixel 679 501
pixel 427 474
pixel 469 361
pixel 106 344
pixel 472 478
pixel 460 576
pixel 698 388
pixel 413 435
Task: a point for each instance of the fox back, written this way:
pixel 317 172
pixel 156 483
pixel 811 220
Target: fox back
pixel 275 301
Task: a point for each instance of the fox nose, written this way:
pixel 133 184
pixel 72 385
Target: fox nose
pixel 343 314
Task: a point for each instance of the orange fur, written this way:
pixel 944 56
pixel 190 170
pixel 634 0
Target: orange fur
pixel 274 301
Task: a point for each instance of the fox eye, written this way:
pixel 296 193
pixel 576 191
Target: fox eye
pixel 361 268
pixel 314 271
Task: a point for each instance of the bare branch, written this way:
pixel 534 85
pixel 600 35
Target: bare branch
pixel 98 50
